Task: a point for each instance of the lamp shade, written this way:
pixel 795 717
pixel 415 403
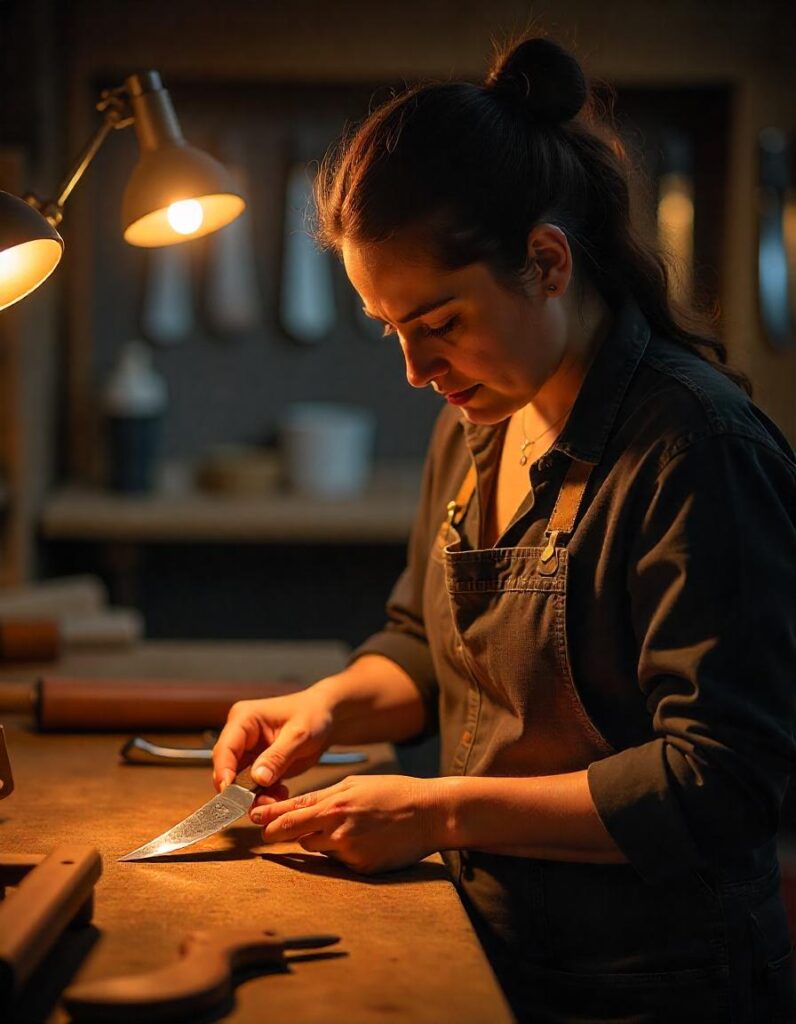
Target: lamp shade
pixel 30 249
pixel 175 193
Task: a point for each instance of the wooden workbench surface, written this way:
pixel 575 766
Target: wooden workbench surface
pixel 410 953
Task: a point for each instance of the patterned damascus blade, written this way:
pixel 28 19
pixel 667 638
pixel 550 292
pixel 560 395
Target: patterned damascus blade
pixel 217 814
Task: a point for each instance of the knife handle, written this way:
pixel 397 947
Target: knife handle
pixel 244 778
pixel 199 981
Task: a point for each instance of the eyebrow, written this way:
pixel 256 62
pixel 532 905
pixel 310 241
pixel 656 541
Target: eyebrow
pixel 427 307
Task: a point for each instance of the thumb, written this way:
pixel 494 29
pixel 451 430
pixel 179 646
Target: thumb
pixel 272 764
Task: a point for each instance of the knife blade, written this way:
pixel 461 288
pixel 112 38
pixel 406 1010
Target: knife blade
pixel 218 813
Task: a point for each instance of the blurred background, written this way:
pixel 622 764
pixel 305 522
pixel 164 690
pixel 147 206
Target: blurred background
pixel 220 535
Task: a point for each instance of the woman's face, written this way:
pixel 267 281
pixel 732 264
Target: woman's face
pixel 485 348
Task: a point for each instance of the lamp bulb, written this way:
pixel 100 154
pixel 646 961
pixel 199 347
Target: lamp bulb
pixel 185 216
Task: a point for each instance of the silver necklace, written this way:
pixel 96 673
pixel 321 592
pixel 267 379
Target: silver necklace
pixel 529 444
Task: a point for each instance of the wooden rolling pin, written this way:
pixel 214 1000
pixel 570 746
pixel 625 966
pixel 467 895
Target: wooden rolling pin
pixel 59 703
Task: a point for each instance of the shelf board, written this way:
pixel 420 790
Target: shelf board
pixel 383 514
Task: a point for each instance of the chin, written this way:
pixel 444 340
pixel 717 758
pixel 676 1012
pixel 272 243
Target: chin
pixel 484 417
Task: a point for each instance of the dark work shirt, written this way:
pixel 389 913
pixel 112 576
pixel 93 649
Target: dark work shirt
pixel 681 627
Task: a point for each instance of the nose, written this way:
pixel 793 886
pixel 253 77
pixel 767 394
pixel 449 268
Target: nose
pixel 422 364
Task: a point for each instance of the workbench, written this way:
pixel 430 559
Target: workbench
pixel 409 953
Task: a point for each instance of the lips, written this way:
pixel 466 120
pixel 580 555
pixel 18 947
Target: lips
pixel 460 397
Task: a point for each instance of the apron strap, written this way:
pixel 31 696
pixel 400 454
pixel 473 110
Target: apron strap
pixel 458 506
pixel 564 514
pixel 567 505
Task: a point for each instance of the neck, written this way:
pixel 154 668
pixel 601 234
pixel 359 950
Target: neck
pixel 589 324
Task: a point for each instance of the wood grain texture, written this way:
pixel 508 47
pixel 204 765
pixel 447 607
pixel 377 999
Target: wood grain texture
pixel 411 954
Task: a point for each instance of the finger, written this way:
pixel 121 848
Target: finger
pixel 229 752
pixel 317 842
pixel 274 794
pixel 273 763
pixel 261 814
pixel 292 824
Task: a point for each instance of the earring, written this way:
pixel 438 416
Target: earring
pixel 552 288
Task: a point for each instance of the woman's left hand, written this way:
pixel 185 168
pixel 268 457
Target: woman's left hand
pixel 371 823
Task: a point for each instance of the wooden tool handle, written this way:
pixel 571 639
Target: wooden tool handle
pixel 198 981
pixel 33 917
pixel 29 639
pixel 19 698
pixel 134 705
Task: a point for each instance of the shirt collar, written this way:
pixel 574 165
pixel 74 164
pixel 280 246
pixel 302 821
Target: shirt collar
pixel 589 424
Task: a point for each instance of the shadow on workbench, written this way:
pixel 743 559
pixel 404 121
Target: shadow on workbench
pixel 321 865
pixel 35 1002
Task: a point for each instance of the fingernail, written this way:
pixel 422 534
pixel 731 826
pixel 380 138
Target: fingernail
pixel 257 817
pixel 263 775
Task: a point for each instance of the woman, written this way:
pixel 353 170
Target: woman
pixel 597 613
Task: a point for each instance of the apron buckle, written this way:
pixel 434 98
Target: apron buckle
pixel 548 560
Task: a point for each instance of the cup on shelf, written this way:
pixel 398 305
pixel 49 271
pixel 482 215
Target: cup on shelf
pixel 327 448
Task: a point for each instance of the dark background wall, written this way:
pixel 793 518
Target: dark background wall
pixel 262 85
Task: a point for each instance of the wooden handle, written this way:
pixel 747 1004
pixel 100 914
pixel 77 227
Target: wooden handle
pixel 29 640
pixel 18 698
pixel 200 980
pixel 45 902
pixel 134 705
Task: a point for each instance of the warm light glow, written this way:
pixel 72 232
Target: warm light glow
pixel 186 216
pixel 156 228
pixel 24 267
pixel 676 231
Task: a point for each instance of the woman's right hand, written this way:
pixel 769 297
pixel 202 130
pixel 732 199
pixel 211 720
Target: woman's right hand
pixel 278 736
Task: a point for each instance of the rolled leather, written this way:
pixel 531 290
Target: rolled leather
pixel 61 703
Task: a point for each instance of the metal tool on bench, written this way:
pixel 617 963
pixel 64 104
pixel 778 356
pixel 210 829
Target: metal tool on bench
pixel 218 813
pixel 142 751
pixel 201 980
pixel 52 893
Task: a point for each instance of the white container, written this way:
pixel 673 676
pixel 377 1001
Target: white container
pixel 327 448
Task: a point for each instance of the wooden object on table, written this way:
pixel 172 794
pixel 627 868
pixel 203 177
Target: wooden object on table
pixel 412 954
pixel 200 981
pixel 37 639
pixel 108 705
pixel 52 893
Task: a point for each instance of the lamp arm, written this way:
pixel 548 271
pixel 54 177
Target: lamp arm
pixel 115 109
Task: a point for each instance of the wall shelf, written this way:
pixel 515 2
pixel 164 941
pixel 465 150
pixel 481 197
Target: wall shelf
pixel 383 514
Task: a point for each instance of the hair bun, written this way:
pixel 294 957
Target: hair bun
pixel 542 74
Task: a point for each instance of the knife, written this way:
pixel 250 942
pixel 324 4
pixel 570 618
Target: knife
pixel 218 813
pixel 142 751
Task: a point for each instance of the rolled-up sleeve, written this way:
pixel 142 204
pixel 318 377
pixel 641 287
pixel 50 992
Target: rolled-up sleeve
pixel 403 638
pixel 712 588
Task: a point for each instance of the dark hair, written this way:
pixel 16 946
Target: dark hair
pixel 472 168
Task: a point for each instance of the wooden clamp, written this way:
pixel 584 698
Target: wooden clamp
pixel 199 981
pixel 52 892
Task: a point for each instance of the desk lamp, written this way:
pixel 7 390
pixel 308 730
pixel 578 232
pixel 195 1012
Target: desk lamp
pixel 175 193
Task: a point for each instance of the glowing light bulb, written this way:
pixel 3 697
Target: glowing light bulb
pixel 186 216
pixel 9 261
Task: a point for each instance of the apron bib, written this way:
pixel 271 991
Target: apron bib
pixel 568 941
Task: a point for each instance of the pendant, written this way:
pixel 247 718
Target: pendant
pixel 523 456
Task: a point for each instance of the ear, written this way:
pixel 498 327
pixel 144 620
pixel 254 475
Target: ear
pixel 550 254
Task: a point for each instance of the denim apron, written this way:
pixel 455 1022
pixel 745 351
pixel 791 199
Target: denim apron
pixel 573 942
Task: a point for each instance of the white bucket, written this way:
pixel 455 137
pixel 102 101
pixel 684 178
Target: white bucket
pixel 327 448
